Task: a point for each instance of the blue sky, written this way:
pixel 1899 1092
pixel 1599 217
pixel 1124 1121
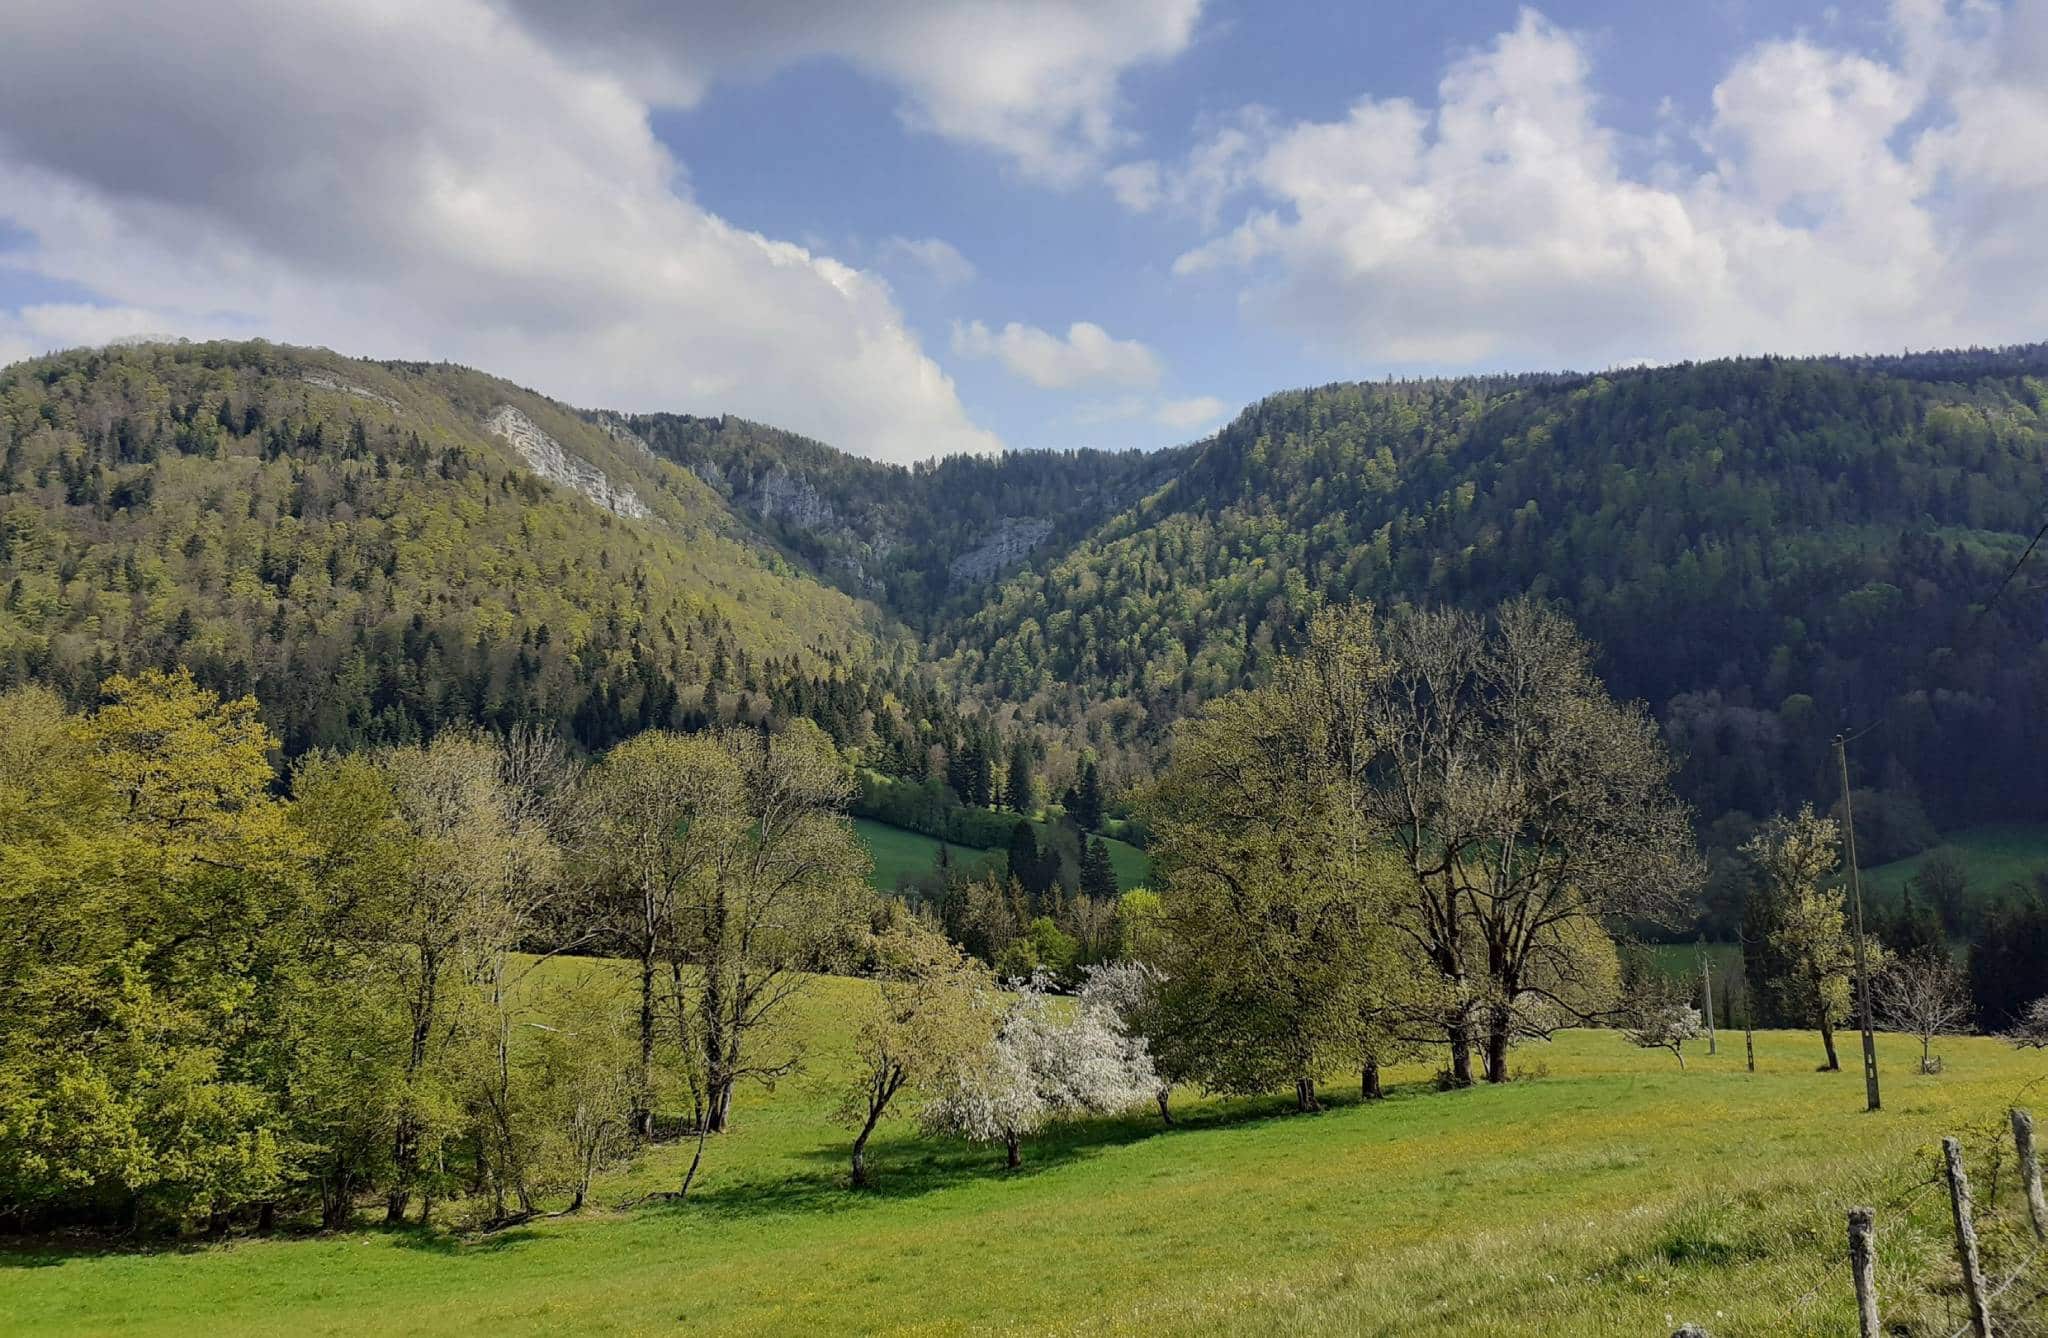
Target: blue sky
pixel 911 228
pixel 817 152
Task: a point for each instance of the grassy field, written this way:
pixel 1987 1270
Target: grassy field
pixel 1996 855
pixel 1683 959
pixel 1614 1194
pixel 897 852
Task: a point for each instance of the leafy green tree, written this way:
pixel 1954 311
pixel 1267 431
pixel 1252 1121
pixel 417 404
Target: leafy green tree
pixel 933 1011
pixel 1278 924
pixel 658 817
pixel 784 900
pixel 151 900
pixel 1811 946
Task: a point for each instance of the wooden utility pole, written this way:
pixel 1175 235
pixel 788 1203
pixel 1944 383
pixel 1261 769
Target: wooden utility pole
pixel 1863 1263
pixel 1862 957
pixel 1966 1239
pixel 2030 1170
pixel 1748 1025
pixel 1707 988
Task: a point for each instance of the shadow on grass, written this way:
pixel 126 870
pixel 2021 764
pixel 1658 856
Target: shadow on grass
pixel 25 1252
pixel 909 1171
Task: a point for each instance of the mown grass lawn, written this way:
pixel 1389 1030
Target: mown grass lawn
pixel 1599 1198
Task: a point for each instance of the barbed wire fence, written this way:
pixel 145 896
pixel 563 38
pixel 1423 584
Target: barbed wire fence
pixel 1911 1255
pixel 1959 1249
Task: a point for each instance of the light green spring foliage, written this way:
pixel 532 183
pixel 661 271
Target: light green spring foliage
pixel 1810 940
pixel 219 999
pixel 1276 933
pixel 151 900
pixel 285 518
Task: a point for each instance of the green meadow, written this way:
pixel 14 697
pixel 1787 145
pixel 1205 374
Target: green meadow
pixel 1996 855
pixel 1608 1192
pixel 898 852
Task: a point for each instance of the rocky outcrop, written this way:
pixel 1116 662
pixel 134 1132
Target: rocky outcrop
pixel 545 456
pixel 1010 543
pixel 322 381
pixel 790 498
pixel 624 435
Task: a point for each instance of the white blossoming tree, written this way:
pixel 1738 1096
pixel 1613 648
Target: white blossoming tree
pixel 2031 1031
pixel 1041 1067
pixel 1126 995
pixel 1660 1018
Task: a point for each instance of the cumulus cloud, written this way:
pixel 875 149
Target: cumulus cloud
pixel 940 260
pixel 424 181
pixel 1838 201
pixel 1088 355
pixel 1187 414
pixel 1034 80
pixel 1183 415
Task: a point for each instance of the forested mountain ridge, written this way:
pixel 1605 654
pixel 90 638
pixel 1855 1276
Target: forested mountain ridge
pixel 920 538
pixel 376 549
pixel 1768 551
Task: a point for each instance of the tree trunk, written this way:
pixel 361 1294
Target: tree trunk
pixel 394 1206
pixel 1497 1038
pixel 1305 1095
pixel 1827 1037
pixel 696 1159
pixel 1369 1081
pixel 1165 1115
pixel 860 1143
pixel 1461 1054
pixel 643 1093
pixel 266 1217
pixel 718 1111
pixel 1015 1158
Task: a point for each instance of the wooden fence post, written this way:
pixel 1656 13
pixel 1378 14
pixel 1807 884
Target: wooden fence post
pixel 1863 1263
pixel 2030 1170
pixel 1966 1238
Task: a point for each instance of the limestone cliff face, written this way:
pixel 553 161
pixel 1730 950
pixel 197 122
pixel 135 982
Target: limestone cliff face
pixel 545 456
pixel 791 499
pixel 1008 544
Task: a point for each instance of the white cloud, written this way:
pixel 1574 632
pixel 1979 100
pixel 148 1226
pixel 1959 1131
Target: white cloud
pixel 1183 415
pixel 425 181
pixel 939 259
pixel 1220 166
pixel 1848 203
pixel 1187 414
pixel 1034 80
pixel 1088 355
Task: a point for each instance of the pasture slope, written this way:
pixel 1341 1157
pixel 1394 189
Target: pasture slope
pixel 898 852
pixel 1612 1194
